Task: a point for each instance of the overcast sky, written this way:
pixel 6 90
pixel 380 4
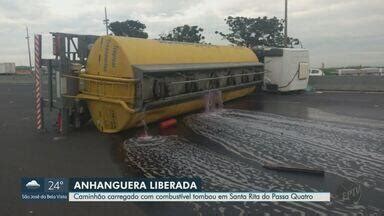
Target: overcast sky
pixel 337 32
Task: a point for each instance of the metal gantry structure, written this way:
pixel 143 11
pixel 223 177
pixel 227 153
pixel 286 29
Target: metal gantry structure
pixel 70 53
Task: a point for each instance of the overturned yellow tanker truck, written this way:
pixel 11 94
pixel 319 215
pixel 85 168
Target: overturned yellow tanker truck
pixel 126 81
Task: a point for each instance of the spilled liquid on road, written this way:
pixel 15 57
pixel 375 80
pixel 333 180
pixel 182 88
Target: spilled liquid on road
pixel 354 153
pixel 253 138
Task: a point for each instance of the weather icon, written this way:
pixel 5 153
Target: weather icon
pixel 32 185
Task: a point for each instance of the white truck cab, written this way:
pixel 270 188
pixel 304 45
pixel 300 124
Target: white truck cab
pixel 286 69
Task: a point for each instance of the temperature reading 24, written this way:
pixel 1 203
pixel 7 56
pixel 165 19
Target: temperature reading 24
pixel 55 185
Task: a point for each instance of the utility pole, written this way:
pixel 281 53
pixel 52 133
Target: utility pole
pixel 286 24
pixel 106 20
pixel 29 50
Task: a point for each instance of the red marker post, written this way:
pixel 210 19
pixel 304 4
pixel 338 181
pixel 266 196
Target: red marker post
pixel 38 98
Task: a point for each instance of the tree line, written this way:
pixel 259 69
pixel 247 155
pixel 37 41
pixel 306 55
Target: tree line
pixel 242 31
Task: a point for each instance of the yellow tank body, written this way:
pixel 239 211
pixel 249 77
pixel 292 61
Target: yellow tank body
pixel 111 86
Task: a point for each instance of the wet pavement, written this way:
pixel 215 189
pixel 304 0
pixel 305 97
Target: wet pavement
pixel 339 132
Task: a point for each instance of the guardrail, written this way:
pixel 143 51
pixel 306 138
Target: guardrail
pixel 347 83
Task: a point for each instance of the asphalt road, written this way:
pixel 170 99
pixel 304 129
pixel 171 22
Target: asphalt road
pixel 86 152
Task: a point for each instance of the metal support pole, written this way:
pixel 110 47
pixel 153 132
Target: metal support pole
pixel 106 20
pixel 29 50
pixel 50 76
pixel 38 96
pixel 286 24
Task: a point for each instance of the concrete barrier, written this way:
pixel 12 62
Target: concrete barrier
pixel 347 83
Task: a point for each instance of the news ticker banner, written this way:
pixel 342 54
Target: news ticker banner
pixel 148 190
